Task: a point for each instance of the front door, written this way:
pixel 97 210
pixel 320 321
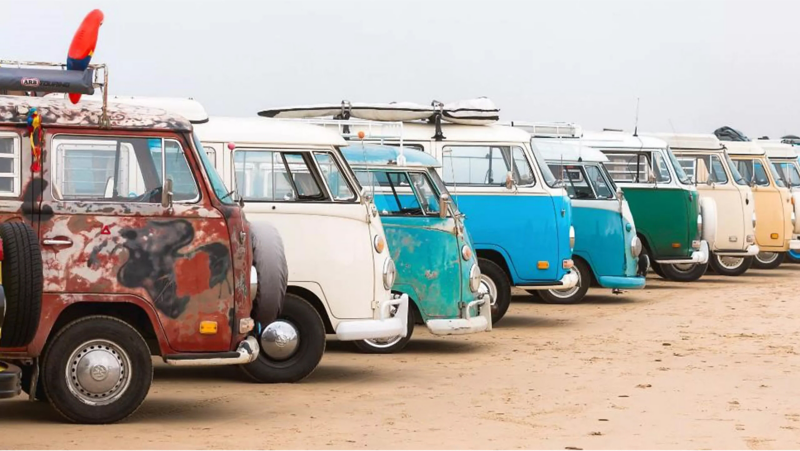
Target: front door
pixel 105 234
pixel 769 209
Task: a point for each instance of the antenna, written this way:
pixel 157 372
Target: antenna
pixel 672 126
pixel 636 123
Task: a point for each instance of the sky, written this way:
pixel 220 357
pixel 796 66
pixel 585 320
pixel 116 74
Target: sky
pixel 693 65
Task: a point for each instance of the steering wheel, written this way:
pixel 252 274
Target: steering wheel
pixel 153 196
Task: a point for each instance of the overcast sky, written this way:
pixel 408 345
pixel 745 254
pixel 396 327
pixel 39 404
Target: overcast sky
pixel 696 65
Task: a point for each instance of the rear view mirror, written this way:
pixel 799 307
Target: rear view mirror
pixel 166 194
pixel 444 201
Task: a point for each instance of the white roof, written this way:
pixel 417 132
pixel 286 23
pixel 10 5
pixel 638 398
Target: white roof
pixel 567 149
pixel 549 129
pixel 620 140
pixel 777 149
pixel 413 131
pixel 257 130
pixel 743 148
pixel 189 108
pixel 690 141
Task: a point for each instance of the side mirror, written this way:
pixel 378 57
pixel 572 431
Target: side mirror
pixel 444 201
pixel 510 183
pixel 108 193
pixel 651 178
pixel 166 194
pixel 620 194
pixel 366 194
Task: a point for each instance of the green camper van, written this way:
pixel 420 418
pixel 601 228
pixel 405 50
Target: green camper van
pixel 664 201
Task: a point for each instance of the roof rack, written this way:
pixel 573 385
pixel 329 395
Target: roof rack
pixel 550 129
pixel 365 130
pixel 30 78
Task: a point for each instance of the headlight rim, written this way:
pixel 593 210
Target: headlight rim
pixel 389 273
pixel 475 278
pixel 379 243
pixel 466 252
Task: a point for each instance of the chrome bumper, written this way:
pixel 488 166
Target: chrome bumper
pixel 794 245
pixel 749 252
pixel 569 280
pixel 467 324
pixel 699 257
pixel 246 352
pixel 385 326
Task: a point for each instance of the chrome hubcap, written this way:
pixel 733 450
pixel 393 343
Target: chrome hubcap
pixel 387 342
pixel 730 262
pixel 98 372
pixel 280 340
pixel 488 286
pixel 767 257
pixel 568 292
pixel 684 267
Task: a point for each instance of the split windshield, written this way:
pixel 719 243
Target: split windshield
pixel 589 181
pixel 401 193
pixel 737 176
pixel 787 170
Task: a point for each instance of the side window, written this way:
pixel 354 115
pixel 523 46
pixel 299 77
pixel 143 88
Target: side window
pixel 394 195
pixel 184 188
pixel 424 189
pixel 760 174
pixel 659 167
pixel 718 174
pixel 574 180
pixel 745 168
pixel 272 176
pixel 628 167
pixel 485 165
pixel 688 165
pixel 332 172
pixel 601 186
pixel 9 164
pixel 116 169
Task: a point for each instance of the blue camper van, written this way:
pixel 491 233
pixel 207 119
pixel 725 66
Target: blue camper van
pixel 427 239
pixel 606 246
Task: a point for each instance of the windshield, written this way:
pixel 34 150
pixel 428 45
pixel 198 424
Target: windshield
pixel 399 193
pixel 549 178
pixel 737 176
pixel 775 175
pixel 216 181
pixel 682 177
pixel 788 172
pixel 583 182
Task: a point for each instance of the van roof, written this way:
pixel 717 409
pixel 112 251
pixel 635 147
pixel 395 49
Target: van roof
pixel 367 154
pixel 258 130
pixel 567 149
pixel 57 111
pixel 777 149
pixel 621 141
pixel 743 148
pixel 189 108
pixel 690 141
pixel 418 131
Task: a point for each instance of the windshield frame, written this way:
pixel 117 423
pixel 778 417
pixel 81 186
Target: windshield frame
pixel 683 179
pixel 409 173
pixel 777 178
pixel 552 181
pixel 735 174
pixel 218 187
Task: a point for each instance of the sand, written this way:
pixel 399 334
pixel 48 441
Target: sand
pixel 711 364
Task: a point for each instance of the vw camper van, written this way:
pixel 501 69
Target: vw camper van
pixel 774 209
pixel 664 202
pixel 606 245
pixel 707 164
pixel 436 266
pixel 785 160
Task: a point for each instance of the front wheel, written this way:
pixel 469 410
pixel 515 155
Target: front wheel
pixel 495 283
pixel 683 272
pixel 768 260
pixel 291 346
pixel 388 345
pixel 729 266
pixel 793 257
pixel 570 295
pixel 97 370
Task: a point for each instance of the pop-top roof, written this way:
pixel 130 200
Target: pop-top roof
pixel 620 140
pixel 60 112
pixel 777 149
pixel 744 148
pixel 366 154
pixel 690 141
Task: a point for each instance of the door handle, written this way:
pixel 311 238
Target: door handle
pixel 57 242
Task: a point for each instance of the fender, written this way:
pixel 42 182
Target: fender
pixel 708 208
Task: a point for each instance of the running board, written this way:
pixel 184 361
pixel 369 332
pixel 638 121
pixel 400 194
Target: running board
pixel 247 352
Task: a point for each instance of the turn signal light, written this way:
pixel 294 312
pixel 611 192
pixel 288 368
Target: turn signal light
pixel 208 327
pixel 543 265
pixel 774 236
pixel 676 245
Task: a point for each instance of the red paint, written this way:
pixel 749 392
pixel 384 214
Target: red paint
pixel 105 231
pixel 192 274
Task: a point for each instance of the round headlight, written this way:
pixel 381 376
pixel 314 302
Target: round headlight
pixel 636 246
pixel 474 278
pixel 466 252
pixel 389 273
pixel 379 243
pixel 571 238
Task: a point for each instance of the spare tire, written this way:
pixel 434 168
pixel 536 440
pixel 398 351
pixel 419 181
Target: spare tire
pixel 22 281
pixel 269 258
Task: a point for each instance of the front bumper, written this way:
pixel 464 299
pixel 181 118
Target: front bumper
pixel 569 280
pixel 622 282
pixel 794 245
pixel 245 353
pixel 749 252
pixel 699 257
pixel 385 326
pixel 467 324
pixel 10 377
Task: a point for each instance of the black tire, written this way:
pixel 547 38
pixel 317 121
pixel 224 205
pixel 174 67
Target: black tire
pixel 304 318
pixel 391 346
pixel 492 274
pixel 792 257
pixel 674 273
pixel 115 341
pixel 760 262
pixel 27 375
pixel 22 282
pixel 653 265
pixel 575 295
pixel 726 269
